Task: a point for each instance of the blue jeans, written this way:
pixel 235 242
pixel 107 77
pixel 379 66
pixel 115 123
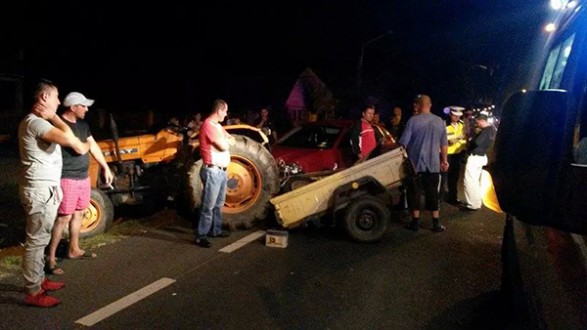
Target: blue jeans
pixel 213 196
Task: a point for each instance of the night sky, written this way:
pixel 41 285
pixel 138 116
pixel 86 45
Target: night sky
pixel 177 57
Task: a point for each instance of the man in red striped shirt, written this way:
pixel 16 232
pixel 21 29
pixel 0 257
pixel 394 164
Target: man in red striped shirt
pixel 363 139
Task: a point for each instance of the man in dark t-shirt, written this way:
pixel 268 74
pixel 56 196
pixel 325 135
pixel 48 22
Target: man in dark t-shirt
pixel 263 121
pixel 477 158
pixel 75 182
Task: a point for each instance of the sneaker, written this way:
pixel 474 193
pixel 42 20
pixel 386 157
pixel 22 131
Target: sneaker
pixel 454 202
pixel 413 225
pixel 203 242
pixel 438 228
pixel 52 285
pixel 41 299
pixel 223 233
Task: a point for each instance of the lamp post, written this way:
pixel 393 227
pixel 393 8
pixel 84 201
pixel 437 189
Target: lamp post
pixel 362 55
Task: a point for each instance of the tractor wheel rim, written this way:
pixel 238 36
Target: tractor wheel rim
pixel 91 217
pixel 244 185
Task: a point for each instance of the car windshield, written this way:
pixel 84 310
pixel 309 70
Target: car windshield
pixel 311 136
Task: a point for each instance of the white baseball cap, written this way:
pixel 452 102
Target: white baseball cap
pixel 75 98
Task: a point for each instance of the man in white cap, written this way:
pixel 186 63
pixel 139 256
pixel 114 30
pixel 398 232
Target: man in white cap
pixel 457 140
pixel 75 182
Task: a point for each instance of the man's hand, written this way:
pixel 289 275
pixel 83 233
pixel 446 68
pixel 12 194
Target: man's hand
pixel 444 166
pixel 108 176
pixel 231 140
pixel 44 113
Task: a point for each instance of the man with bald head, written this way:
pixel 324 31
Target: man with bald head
pixel 424 138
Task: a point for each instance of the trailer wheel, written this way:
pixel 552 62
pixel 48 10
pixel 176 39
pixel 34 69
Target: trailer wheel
pixel 98 217
pixel 296 182
pixel 366 219
pixel 253 178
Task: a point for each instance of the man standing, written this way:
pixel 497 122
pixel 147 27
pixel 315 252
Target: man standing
pixel 363 135
pixel 40 135
pixel 478 148
pixel 396 124
pixel 423 138
pixel 214 149
pixel 263 121
pixel 415 106
pixel 75 182
pixel 457 140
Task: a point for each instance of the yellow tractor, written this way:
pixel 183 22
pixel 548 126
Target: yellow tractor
pixel 150 168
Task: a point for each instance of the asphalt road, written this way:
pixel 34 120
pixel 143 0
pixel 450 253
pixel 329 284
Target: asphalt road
pixel 322 280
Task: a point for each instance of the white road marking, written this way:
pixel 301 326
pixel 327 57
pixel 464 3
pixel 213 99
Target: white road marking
pixel 242 242
pixel 124 302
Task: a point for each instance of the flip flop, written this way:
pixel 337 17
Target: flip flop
pixel 53 270
pixel 86 255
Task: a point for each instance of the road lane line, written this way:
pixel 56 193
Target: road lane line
pixel 124 302
pixel 242 242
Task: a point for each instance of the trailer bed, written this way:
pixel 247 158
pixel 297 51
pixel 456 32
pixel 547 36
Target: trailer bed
pixel 292 208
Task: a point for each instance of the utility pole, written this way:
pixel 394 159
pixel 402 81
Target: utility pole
pixel 362 55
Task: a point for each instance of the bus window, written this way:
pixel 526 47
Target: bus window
pixel 580 140
pixel 555 66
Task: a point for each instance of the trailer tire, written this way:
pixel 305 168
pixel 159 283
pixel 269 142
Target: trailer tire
pixel 253 178
pixel 97 218
pixel 366 219
pixel 296 182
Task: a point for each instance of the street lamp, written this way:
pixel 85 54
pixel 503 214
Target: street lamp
pixel 363 45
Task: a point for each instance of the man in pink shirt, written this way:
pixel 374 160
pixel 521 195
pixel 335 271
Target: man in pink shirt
pixel 214 149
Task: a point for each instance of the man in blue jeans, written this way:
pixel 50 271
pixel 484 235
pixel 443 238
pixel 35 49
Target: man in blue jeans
pixel 214 149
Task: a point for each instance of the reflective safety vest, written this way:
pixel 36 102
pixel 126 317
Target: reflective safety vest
pixel 456 137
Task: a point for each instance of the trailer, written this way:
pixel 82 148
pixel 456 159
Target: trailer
pixel 362 190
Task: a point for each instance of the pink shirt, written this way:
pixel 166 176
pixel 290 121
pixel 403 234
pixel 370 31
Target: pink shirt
pixel 213 131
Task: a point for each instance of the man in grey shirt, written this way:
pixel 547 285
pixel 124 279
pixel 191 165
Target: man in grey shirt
pixel 41 135
pixel 424 138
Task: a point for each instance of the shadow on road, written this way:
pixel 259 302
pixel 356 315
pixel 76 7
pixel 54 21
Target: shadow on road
pixel 11 294
pixel 485 311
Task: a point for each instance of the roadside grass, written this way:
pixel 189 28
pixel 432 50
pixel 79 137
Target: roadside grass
pixel 11 216
pixel 11 257
pixel 117 232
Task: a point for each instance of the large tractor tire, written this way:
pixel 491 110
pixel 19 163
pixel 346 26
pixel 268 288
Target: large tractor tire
pixel 98 217
pixel 366 219
pixel 253 178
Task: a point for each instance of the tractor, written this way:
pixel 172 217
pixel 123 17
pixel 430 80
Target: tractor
pixel 149 169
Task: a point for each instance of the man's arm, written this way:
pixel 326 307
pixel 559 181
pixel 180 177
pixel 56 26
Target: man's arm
pixel 222 140
pixel 63 136
pixel 96 152
pixel 443 151
pixel 355 135
pixel 444 158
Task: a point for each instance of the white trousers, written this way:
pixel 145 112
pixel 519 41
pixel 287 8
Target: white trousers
pixel 472 181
